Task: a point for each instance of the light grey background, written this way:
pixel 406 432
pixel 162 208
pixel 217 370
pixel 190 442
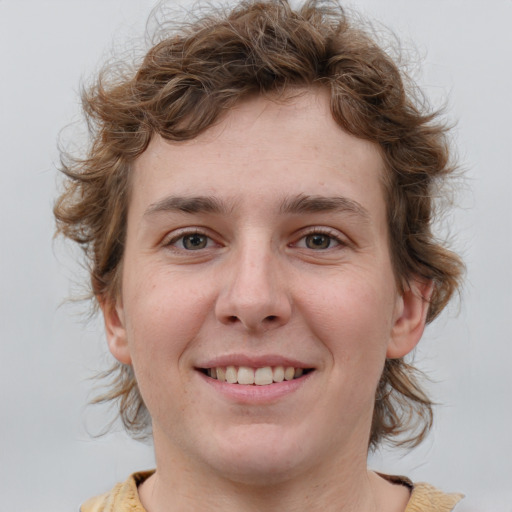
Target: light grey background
pixel 48 461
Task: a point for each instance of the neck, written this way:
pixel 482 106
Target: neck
pixel 341 485
pixel 158 496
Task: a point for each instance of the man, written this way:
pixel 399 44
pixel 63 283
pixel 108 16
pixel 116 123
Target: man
pixel 257 207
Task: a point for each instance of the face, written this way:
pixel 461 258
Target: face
pixel 258 299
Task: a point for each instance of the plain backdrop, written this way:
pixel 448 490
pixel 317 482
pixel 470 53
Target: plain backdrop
pixel 48 352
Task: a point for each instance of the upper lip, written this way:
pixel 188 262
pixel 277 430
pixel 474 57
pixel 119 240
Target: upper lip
pixel 253 361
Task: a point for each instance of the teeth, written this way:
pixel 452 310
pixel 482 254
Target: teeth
pixel 246 375
pixel 259 376
pixel 278 374
pixel 221 374
pixel 289 373
pixel 231 375
pixel 263 376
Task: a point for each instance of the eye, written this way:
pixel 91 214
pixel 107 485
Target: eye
pixel 318 241
pixel 191 241
pixel 194 242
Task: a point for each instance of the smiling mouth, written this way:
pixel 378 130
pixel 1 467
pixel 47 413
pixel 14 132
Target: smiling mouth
pixel 255 376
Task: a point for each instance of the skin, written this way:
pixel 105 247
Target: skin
pixel 283 269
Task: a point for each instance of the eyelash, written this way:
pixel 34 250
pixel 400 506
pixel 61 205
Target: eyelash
pixel 332 235
pixel 183 235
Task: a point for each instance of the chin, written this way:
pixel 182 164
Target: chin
pixel 260 455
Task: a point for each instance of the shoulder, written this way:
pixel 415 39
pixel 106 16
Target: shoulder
pixel 427 498
pixel 124 497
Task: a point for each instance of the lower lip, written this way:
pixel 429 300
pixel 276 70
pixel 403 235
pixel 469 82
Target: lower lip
pixel 254 394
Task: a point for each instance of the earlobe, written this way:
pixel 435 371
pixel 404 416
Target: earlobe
pixel 410 318
pixel 113 315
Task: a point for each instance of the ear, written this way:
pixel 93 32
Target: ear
pixel 410 317
pixel 113 315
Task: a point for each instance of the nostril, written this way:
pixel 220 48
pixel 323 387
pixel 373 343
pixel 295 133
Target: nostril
pixel 271 318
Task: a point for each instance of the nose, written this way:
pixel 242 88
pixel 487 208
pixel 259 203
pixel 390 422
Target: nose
pixel 254 295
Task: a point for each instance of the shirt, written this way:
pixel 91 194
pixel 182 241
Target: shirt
pixel 124 497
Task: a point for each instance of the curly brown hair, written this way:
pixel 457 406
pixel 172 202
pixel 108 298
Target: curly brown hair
pixel 197 72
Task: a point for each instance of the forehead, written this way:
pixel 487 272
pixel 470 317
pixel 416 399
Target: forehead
pixel 267 149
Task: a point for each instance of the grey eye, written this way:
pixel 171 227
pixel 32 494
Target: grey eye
pixel 318 241
pixel 194 242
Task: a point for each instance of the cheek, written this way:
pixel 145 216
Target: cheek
pixel 163 322
pixel 164 315
pixel 353 319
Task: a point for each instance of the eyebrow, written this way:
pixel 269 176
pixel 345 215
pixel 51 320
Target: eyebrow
pixel 192 204
pixel 295 205
pixel 317 204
